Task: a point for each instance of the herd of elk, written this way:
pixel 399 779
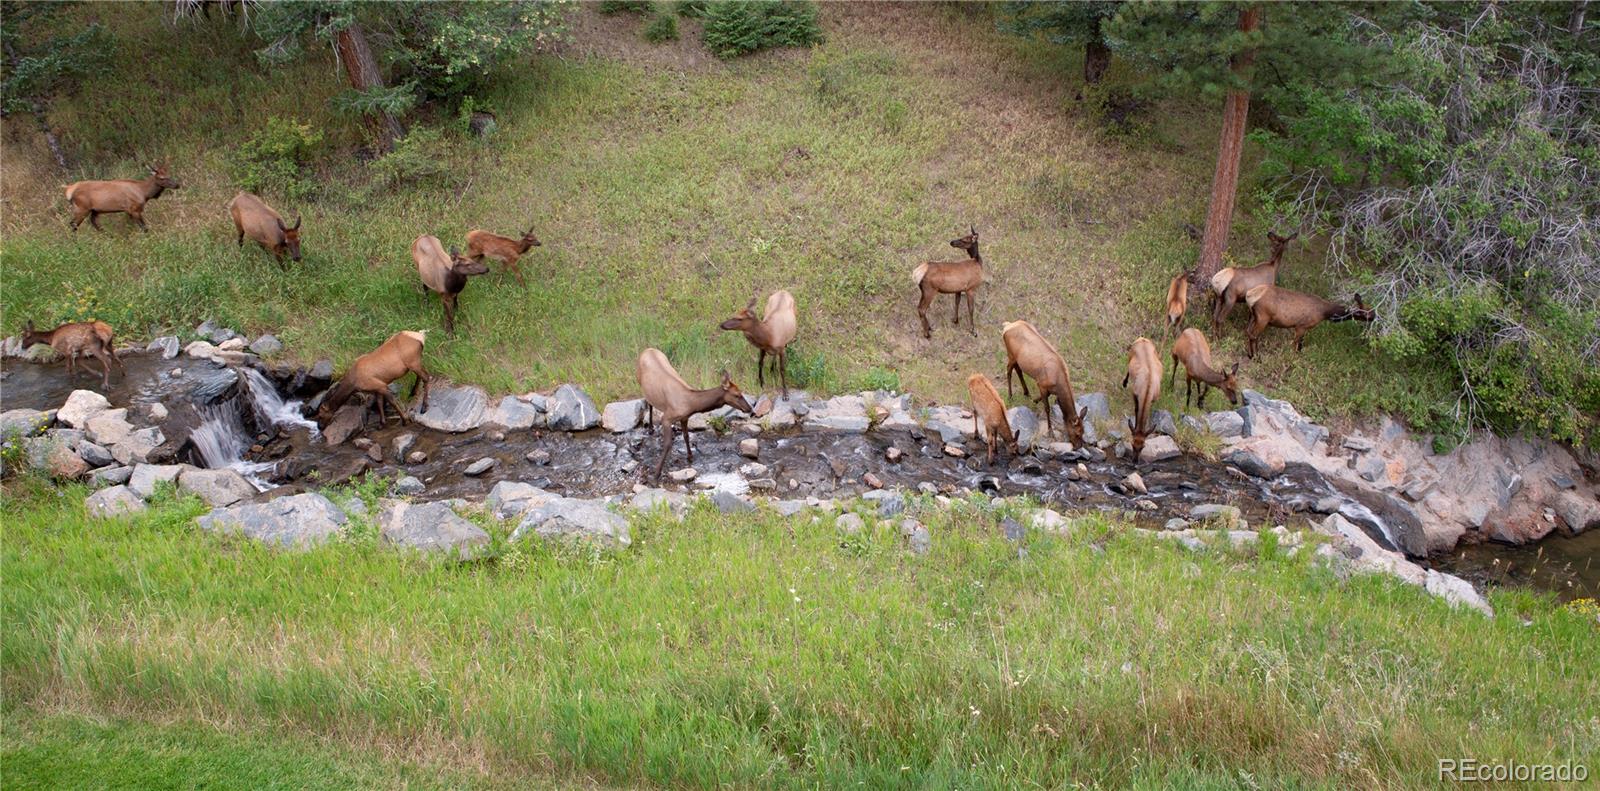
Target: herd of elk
pixel 1027 352
pixel 252 217
pixel 481 244
pixel 1230 284
pixel 372 373
pixel 444 273
pixel 951 277
pixel 770 334
pixel 1192 350
pixel 80 338
pixel 93 198
pixel 665 392
pixel 1271 306
pixel 1144 376
pixel 986 405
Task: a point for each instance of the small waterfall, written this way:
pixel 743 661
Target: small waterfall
pixel 222 437
pixel 1359 514
pixel 270 408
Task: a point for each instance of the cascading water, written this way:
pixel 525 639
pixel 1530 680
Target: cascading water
pixel 222 436
pixel 270 408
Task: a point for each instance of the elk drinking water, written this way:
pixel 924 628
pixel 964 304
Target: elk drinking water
pixel 93 198
pixel 950 277
pixel 1271 306
pixel 88 338
pixel 1027 352
pixel 986 404
pixel 1229 285
pixel 372 372
pixel 1144 374
pixel 1192 350
pixel 771 334
pixel 253 218
pixel 481 244
pixel 444 274
pixel 665 391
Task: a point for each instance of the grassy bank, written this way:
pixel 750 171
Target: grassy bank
pixel 667 189
pixel 754 651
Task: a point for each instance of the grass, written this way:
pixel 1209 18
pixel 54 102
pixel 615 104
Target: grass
pixel 753 651
pixel 666 192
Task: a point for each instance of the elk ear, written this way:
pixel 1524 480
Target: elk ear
pixel 455 252
pixel 1235 371
pixel 1083 414
pixel 281 226
pixel 1131 426
pixel 297 221
pixel 28 327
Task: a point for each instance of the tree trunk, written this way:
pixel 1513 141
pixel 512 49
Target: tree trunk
pixel 362 69
pixel 1575 19
pixel 1096 56
pixel 1225 182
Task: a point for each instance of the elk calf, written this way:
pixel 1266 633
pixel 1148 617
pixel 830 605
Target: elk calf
pixel 950 277
pixel 986 404
pixel 372 372
pixel 501 248
pixel 1144 374
pixel 1271 306
pixel 665 392
pixel 1027 352
pixel 1192 350
pixel 87 338
pixel 93 198
pixel 1177 300
pixel 445 275
pixel 771 334
pixel 1230 284
pixel 252 217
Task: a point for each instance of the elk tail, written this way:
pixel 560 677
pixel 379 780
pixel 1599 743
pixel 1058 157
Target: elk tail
pixel 919 273
pixel 1220 280
pixel 1254 295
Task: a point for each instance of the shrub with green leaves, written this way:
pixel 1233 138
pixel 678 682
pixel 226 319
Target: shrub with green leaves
pixel 419 155
pixel 624 6
pixel 664 27
pixel 277 160
pixel 737 28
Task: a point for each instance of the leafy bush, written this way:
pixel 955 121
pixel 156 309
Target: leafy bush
pixel 277 160
pixel 736 28
pixel 419 155
pixel 694 9
pixel 809 370
pixel 880 378
pixel 664 27
pixel 621 6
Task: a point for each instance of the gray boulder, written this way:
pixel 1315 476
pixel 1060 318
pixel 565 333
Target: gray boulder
pixel 1261 463
pixel 167 344
pixel 620 416
pixel 650 499
pixel 514 414
pixel 409 485
pixel 1227 514
pixel 567 517
pixel 1025 425
pixel 1579 512
pixel 1226 424
pixel 80 406
pixel 139 446
pixel 1455 590
pixel 146 477
pixel 23 422
pixel 1159 448
pixel 300 521
pixel 110 476
pixel 430 527
pixel 110 427
pixel 1099 406
pixel 95 455
pixel 571 409
pixel 1161 420
pixel 217 487
pixel 113 502
pixel 514 498
pixel 730 503
pixel 267 346
pixel 346 422
pixel 849 524
pixel 454 408
pixel 481 466
pixel 55 457
pixel 916 536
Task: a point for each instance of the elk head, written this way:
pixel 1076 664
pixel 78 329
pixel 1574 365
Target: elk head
pixel 462 265
pixel 162 179
pixel 968 242
pixel 1230 384
pixel 291 237
pixel 1280 242
pixel 1075 426
pixel 529 240
pixel 29 336
pixel 744 319
pixel 1358 313
pixel 1137 438
pixel 732 395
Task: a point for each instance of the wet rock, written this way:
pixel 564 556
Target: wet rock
pixel 216 487
pixel 568 517
pixel 347 421
pixel 1176 523
pixel 1372 468
pixel 1562 481
pixel 481 466
pixel 750 448
pixel 454 408
pixel 538 456
pixel 408 486
pixel 893 454
pixel 916 536
pixel 838 422
pixel 872 480
pixel 429 527
pixel 298 521
pixel 110 476
pixel 375 453
pixel 1135 483
pixel 514 498
pixel 158 411
pixel 1159 448
pixel 683 475
pixel 267 346
pixel 168 345
pixel 1259 463
pixel 416 457
pixel 23 422
pixel 730 503
pixel 55 457
pixel 1228 515
pixel 80 406
pixel 754 469
pixel 113 502
pixel 1579 512
pixel 321 370
pixel 1326 505
pixel 212 385
pixel 515 414
pixel 571 409
pixel 622 416
pixel 402 445
pixel 1357 443
pixel 231 345
pixel 849 524
pixel 954 451
pixel 1025 424
pixel 1226 424
pixel 763 484
pixel 146 477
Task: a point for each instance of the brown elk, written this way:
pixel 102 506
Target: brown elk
pixel 444 274
pixel 87 338
pixel 1144 373
pixel 504 249
pixel 1177 300
pixel 771 334
pixel 93 198
pixel 252 217
pixel 950 277
pixel 1230 284
pixel 986 404
pixel 372 372
pixel 1192 350
pixel 665 392
pixel 1271 306
pixel 1027 352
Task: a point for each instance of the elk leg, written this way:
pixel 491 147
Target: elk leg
pixel 241 236
pixel 1253 334
pixel 956 317
pixel 512 267
pixel 105 365
pixel 94 219
pixel 972 326
pixel 422 379
pixel 1044 398
pixel 1300 339
pixel 1188 386
pixel 761 366
pixel 783 370
pixel 922 310
pixel 399 412
pixel 649 416
pixel 77 217
pixel 383 418
pixel 138 217
pixel 666 448
pixel 1172 379
pixel 1205 390
pixel 449 312
pixel 687 448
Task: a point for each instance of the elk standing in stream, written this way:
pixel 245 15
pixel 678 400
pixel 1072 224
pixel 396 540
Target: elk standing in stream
pixel 771 334
pixel 1027 352
pixel 1144 373
pixel 1229 285
pixel 93 198
pixel 950 277
pixel 1192 350
pixel 986 404
pixel 87 338
pixel 252 217
pixel 665 392
pixel 1271 306
pixel 504 249
pixel 444 274
pixel 372 372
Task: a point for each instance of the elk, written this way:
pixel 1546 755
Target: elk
pixel 986 404
pixel 950 277
pixel 93 198
pixel 252 217
pixel 445 275
pixel 1144 372
pixel 372 372
pixel 1230 284
pixel 1027 352
pixel 504 249
pixel 1177 300
pixel 1192 350
pixel 771 334
pixel 665 392
pixel 86 338
pixel 1271 306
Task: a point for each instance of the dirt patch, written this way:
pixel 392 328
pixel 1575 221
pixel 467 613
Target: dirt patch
pixel 620 37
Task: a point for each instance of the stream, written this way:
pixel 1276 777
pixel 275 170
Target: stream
pixel 251 420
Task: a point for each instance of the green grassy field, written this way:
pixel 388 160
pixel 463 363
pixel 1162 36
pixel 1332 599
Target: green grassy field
pixel 667 187
pixel 744 652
